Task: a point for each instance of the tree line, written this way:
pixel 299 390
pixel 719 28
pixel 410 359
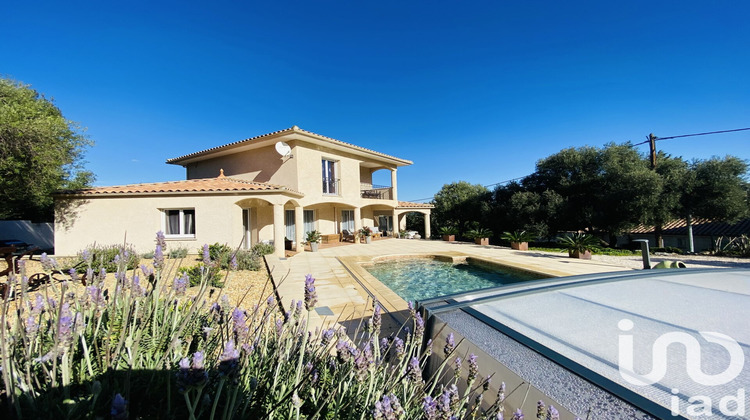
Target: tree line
pixel 606 191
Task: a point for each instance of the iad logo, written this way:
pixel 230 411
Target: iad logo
pixel 659 364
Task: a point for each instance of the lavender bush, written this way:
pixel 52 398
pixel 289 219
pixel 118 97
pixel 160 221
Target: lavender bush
pixel 145 349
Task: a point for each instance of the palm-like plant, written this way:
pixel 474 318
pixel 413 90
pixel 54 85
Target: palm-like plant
pixel 579 242
pixel 518 236
pixel 479 233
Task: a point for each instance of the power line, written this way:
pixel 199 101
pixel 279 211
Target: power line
pixel 694 134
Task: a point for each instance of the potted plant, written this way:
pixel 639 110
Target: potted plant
pixel 366 232
pixel 579 245
pixel 313 238
pixel 402 234
pixel 519 240
pixel 448 233
pixel 481 236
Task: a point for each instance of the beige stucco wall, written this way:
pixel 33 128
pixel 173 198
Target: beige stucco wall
pixel 259 165
pixel 136 219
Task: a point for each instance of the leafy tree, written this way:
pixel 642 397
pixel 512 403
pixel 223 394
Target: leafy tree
pixel 462 205
pixel 40 152
pixel 715 189
pixel 673 172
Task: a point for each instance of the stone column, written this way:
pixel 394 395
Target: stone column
pixel 427 225
pixel 357 223
pixel 395 226
pixel 278 230
pixel 299 228
pixel 394 186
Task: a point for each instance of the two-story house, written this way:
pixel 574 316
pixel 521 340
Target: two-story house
pixel 265 188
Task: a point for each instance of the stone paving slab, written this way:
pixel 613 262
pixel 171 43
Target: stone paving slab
pixel 335 269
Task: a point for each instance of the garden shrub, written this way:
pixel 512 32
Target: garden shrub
pixel 179 252
pixel 197 273
pixel 150 351
pixel 263 249
pixel 109 257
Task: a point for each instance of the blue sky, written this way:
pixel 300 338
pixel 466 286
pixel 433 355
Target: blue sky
pixel 474 91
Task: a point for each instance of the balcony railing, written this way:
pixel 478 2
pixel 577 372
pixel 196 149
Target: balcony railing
pixel 331 186
pixel 376 192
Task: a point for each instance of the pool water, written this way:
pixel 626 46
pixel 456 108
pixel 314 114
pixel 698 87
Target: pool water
pixel 422 278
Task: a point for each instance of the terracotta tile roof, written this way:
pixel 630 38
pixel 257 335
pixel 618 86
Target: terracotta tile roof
pixel 219 184
pixel 409 204
pixel 701 227
pixel 292 129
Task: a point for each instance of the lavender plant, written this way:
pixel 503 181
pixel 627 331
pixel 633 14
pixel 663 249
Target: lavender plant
pixel 147 349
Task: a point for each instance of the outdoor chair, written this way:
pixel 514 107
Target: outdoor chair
pixel 347 236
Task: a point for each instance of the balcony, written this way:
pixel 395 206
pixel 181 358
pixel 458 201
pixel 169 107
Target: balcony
pixel 331 186
pixel 376 192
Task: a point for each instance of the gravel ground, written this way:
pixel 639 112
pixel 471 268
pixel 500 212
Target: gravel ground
pixel 691 261
pixel 244 288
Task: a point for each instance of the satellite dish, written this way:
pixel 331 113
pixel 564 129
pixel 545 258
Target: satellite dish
pixel 283 149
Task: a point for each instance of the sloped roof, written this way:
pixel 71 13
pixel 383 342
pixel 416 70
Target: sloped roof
pixel 409 204
pixel 294 129
pixel 218 184
pixel 701 227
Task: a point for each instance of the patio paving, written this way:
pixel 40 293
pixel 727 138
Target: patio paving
pixel 341 296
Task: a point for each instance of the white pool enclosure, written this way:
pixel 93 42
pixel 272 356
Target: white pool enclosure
pixel 641 344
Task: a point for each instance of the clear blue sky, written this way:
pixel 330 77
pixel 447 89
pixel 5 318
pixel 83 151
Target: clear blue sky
pixel 474 91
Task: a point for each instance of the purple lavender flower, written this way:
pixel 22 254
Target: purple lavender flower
pixel 180 285
pixel 552 413
pixel 192 375
pixel 444 404
pixel 500 416
pixel 73 274
pixel 270 301
pixel 398 347
pixel 311 296
pixel 449 345
pixel 158 257
pixel 501 392
pixel 458 362
pixel 384 345
pixel 413 371
pixel 473 369
pixel 229 360
pixel 206 256
pixel 486 383
pixel 233 262
pixel 541 409
pixel 410 305
pixel 239 325
pixel 86 256
pixel 326 337
pixel 429 407
pixel 362 362
pixel 376 318
pixel 428 347
pixel 31 326
pixel 65 325
pixel 418 327
pixel 95 296
pixel 119 410
pixel 48 264
pixel 52 303
pixel 279 326
pixel 161 240
pixel 388 408
pixel 136 288
pixel 345 351
pixel 517 415
pixel 37 306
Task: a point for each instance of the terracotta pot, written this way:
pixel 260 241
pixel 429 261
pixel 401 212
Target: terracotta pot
pixel 482 241
pixel 449 238
pixel 586 255
pixel 521 246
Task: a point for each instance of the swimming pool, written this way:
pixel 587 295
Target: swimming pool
pixel 417 279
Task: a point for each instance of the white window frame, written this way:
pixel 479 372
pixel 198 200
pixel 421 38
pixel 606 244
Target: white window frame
pixel 333 183
pixel 182 234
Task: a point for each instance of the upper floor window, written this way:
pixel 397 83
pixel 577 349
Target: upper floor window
pixel 179 223
pixel 330 178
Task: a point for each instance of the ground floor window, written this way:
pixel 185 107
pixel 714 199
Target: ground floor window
pixel 309 216
pixel 289 224
pixel 179 222
pixel 347 220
